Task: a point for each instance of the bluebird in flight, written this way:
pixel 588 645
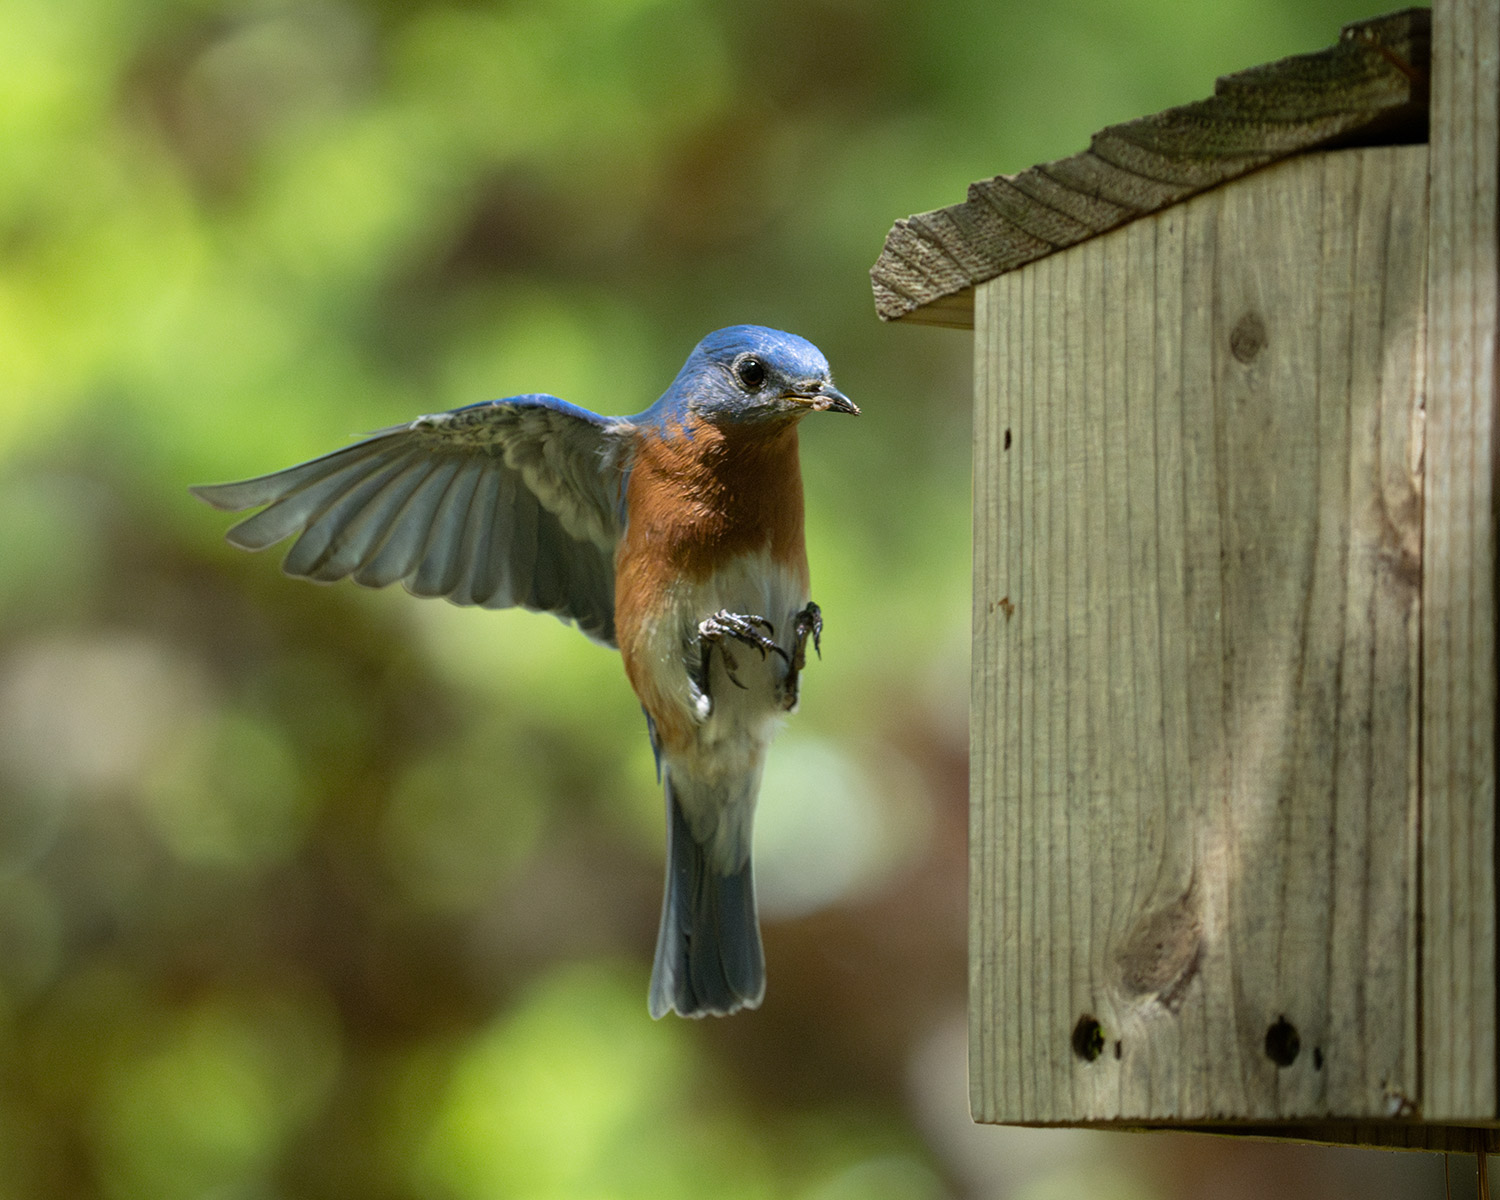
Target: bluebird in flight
pixel 674 535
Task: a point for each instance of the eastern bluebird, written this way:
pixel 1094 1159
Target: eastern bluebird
pixel 675 535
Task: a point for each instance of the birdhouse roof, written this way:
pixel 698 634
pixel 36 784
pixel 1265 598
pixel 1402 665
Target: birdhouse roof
pixel 1370 87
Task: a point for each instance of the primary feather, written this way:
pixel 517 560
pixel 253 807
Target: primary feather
pixel 510 502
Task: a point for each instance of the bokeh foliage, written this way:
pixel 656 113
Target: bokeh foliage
pixel 326 893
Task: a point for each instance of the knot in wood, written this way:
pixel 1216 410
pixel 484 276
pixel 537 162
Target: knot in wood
pixel 1163 952
pixel 1248 337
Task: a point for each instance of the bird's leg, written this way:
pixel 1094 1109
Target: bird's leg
pixel 809 625
pixel 718 630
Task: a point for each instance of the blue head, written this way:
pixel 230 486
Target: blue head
pixel 749 373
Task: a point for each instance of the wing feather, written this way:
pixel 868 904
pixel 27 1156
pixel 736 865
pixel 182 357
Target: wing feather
pixel 302 498
pixel 512 502
pixel 524 540
pixel 547 580
pixel 494 586
pixel 364 532
pixel 325 529
pixel 478 535
pixel 402 550
pixel 437 573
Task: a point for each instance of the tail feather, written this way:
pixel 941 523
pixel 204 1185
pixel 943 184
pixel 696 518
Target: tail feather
pixel 709 959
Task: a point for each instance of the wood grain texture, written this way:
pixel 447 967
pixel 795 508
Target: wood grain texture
pixel 1384 1135
pixel 1458 583
pixel 1194 712
pixel 1370 86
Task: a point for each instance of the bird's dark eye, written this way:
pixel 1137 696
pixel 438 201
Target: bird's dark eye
pixel 751 371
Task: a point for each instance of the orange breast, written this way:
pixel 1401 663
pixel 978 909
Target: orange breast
pixel 693 503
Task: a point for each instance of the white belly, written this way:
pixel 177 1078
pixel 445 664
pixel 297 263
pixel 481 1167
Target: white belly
pixel 733 723
pixel 714 759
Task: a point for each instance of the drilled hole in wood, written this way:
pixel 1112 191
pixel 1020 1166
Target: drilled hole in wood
pixel 1007 439
pixel 1088 1038
pixel 1282 1042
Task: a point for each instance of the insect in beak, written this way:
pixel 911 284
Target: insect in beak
pixel 824 397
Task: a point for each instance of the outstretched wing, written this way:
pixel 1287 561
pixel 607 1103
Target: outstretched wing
pixel 510 502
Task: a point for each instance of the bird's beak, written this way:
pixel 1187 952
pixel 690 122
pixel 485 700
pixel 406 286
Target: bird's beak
pixel 824 397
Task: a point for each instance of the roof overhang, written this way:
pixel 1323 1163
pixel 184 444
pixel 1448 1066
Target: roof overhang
pixel 1369 88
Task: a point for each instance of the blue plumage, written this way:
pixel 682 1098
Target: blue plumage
pixel 675 535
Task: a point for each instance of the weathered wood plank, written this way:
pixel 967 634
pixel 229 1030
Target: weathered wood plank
pixel 1458 582
pixel 1197 556
pixel 1370 86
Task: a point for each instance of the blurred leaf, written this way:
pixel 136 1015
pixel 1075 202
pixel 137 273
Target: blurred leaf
pixel 31 937
pixel 461 820
pixel 209 1106
pixel 229 795
pixel 576 1095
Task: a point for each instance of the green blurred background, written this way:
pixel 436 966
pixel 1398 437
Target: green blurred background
pixel 320 892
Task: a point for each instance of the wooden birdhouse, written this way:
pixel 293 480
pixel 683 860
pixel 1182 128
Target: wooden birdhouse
pixel 1233 834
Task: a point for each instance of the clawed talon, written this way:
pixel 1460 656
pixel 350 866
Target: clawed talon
pixel 809 624
pixel 730 665
pixel 718 630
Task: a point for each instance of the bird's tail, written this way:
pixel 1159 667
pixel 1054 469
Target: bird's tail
pixel 708 953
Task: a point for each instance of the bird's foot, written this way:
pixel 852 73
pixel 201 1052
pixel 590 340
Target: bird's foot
pixel 722 628
pixel 809 626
